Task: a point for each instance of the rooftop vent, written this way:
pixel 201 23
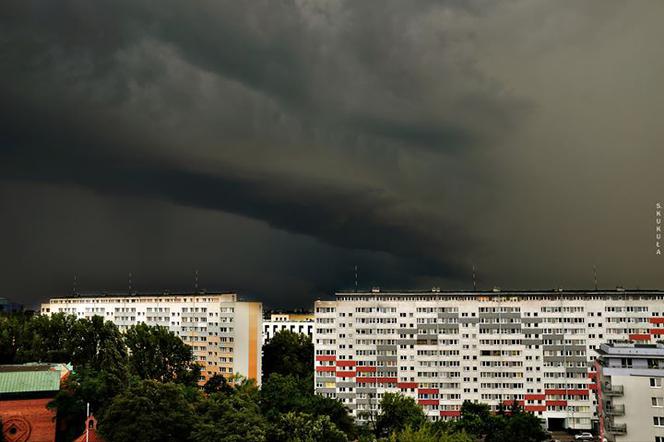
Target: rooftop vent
pixel 375 289
pixel 435 289
pixel 620 288
pixel 496 289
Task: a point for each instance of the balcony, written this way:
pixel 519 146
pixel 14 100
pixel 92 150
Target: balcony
pixel 613 390
pixel 615 410
pixel 617 428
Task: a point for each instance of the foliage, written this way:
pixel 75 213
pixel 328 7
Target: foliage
pixel 158 354
pixel 289 353
pixel 398 412
pixel 218 384
pixel 229 418
pixel 149 411
pixel 305 427
pixel 428 433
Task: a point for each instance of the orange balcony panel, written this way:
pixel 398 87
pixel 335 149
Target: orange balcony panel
pixel 326 358
pixel 365 369
pixel 657 331
pixel 534 397
pixel 346 363
pixel 656 320
pixel 639 337
pixel 533 408
pixel 345 374
pixel 404 385
pixel 453 413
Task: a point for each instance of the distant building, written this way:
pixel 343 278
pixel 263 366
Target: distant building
pixel 444 347
pixel 25 391
pixel 302 323
pixel 225 333
pixel 631 397
pixel 9 307
pixel 90 433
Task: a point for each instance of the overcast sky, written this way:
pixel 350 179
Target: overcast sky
pixel 275 144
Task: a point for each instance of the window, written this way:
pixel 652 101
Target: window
pixel 657 402
pixel 656 382
pixel 659 438
pixel 658 421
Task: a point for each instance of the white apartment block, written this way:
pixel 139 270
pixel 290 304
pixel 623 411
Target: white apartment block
pixel 631 397
pixel 293 322
pixel 225 333
pixel 441 348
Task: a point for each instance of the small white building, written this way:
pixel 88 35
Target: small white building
pixel 302 323
pixel 631 397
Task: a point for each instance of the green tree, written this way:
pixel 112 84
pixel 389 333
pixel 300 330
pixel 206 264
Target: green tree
pixel 427 433
pixel 281 394
pixel 157 353
pixel 476 418
pixel 149 411
pixel 289 353
pixel 97 344
pixel 218 384
pixel 304 427
pixel 229 418
pixel 398 412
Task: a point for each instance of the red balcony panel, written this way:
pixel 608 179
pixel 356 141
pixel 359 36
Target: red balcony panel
pixel 366 380
pixel 428 401
pixel 556 403
pixel 454 413
pixel 533 408
pixel 639 337
pixel 330 368
pixel 555 392
pixel 346 363
pixel 592 386
pixel 534 397
pixel 657 331
pixel 326 358
pixel 578 392
pixel 404 385
pixel 656 320
pixel 365 369
pixel 386 380
pixel 345 374
pixel 592 375
pixel 427 391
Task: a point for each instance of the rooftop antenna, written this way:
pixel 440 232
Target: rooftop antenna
pixel 595 275
pixel 474 279
pixel 75 288
pixel 130 283
pixel 356 278
pixel 196 280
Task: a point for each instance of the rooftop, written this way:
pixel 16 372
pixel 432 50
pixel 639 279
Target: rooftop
pixel 633 349
pixel 118 294
pixel 500 292
pixel 29 378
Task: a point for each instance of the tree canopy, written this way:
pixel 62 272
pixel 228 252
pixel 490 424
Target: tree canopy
pixel 288 353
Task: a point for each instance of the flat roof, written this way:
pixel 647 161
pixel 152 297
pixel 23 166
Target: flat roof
pixel 498 292
pixel 112 294
pixel 28 379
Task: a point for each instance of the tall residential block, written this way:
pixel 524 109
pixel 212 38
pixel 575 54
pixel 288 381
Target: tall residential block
pixel 631 393
pixel 441 348
pixel 225 333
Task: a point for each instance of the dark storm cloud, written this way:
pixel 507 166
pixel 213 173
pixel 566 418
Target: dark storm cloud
pixel 400 129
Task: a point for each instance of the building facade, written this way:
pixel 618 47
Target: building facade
pixel 302 323
pixel 25 392
pixel 631 393
pixel 441 348
pixel 225 333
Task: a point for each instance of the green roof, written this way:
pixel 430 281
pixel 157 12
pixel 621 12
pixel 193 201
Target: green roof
pixel 29 381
